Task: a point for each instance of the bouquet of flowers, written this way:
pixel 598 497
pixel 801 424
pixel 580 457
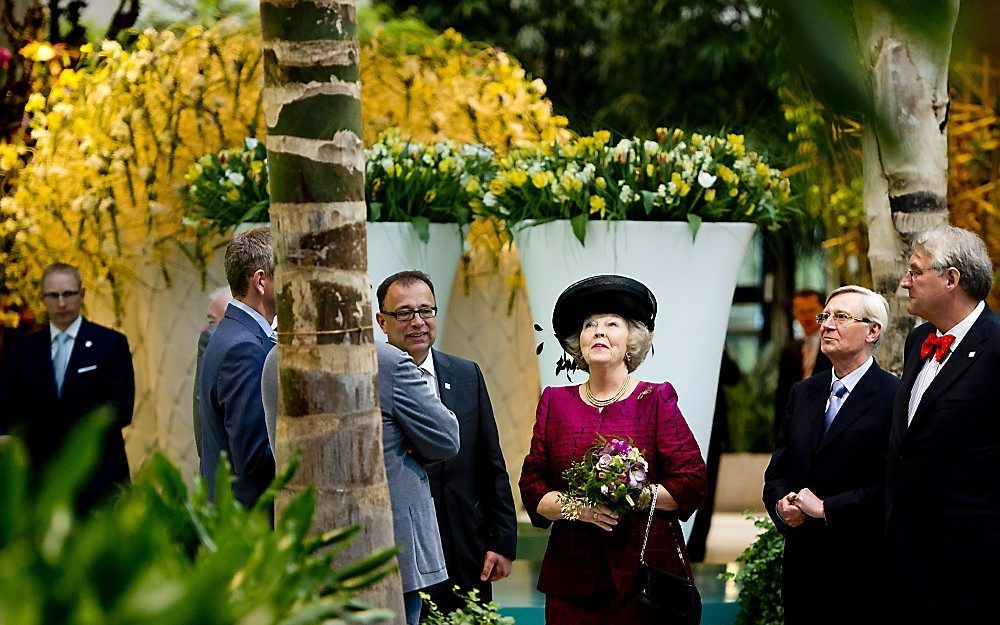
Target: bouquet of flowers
pixel 230 187
pixel 612 473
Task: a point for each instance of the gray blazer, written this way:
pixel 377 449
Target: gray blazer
pixel 416 429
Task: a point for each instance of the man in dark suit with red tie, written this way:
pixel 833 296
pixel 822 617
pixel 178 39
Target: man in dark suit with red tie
pixel 943 470
pixel 824 485
pixel 54 378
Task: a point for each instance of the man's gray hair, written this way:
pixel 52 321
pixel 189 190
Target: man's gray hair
pixel 949 246
pixel 222 290
pixel 873 306
pixel 247 253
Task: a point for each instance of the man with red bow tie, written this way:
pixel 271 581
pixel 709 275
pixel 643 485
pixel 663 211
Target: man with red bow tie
pixel 943 469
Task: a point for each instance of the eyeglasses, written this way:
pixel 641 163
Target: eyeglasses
pixel 913 273
pixel 840 318
pixel 407 314
pixel 54 296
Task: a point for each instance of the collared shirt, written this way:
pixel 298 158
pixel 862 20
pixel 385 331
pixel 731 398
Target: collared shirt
pixel 932 367
pixel 71 331
pixel 850 380
pixel 264 324
pixel 430 375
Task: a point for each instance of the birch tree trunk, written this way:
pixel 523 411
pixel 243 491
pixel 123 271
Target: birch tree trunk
pixel 906 156
pixel 328 401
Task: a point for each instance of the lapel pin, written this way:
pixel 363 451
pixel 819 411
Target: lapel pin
pixel 447 385
pixel 88 344
pixel 971 354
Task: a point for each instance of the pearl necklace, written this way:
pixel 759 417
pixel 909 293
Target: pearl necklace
pixel 600 403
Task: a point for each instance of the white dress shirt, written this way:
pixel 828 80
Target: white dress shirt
pixel 71 331
pixel 849 381
pixel 430 375
pixel 932 366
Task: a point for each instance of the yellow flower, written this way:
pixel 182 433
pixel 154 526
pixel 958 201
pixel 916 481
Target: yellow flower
pixel 602 137
pixel 429 196
pixel 376 185
pixel 763 171
pixel 516 177
pixel 539 179
pixel 233 195
pixel 69 79
pixel 497 186
pixel 472 184
pixel 8 157
pixel 734 192
pixel 710 195
pixel 601 182
pixel 36 102
pixel 446 164
pixel 87 49
pixel 597 204
pixel 649 170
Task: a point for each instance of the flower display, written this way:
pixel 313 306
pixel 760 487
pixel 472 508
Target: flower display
pixel 674 177
pixel 230 187
pixel 423 183
pixel 612 473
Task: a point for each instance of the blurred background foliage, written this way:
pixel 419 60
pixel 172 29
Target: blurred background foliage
pixel 161 554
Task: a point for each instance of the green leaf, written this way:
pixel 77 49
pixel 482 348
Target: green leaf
pixel 375 208
pixel 13 489
pixel 579 223
pixel 694 223
pixel 647 201
pixel 423 227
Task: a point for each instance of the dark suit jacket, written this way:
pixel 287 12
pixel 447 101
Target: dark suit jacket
pixel 202 344
pixel 790 374
pixel 232 413
pixel 99 374
pixel 471 491
pixel 828 562
pixel 943 478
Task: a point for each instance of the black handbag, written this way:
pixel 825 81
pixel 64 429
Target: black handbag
pixel 675 597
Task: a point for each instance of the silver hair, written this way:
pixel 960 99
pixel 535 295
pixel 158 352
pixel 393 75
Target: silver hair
pixel 949 246
pixel 637 347
pixel 220 291
pixel 873 306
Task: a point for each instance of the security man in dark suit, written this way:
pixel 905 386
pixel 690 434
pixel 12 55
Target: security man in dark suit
pixel 471 491
pixel 943 474
pixel 57 376
pixel 824 486
pixel 232 412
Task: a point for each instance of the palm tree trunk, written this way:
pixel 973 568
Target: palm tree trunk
pixel 906 151
pixel 328 402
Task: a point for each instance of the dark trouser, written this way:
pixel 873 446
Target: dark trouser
pixel 412 604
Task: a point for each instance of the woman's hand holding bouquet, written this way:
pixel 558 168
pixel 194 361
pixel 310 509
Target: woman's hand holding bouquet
pixel 610 480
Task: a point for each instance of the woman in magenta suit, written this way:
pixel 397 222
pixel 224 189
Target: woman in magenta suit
pixel 588 575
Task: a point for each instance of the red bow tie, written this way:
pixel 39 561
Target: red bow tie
pixel 937 345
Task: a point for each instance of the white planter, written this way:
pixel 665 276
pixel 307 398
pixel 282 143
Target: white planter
pixel 395 246
pixel 693 284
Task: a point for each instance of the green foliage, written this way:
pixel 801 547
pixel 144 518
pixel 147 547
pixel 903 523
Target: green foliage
pixel 230 188
pixel 164 555
pixel 759 577
pixel 750 404
pixel 472 613
pixel 629 66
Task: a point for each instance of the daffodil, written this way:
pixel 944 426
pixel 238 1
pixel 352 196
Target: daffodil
pixel 539 179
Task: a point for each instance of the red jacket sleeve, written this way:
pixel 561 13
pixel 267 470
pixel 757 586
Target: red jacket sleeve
pixel 536 475
pixel 681 467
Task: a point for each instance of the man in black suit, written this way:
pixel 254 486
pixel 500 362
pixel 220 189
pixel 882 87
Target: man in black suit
pixel 232 412
pixel 55 377
pixel 943 473
pixel 471 491
pixel 801 358
pixel 824 486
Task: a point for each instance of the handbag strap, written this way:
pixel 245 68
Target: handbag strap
pixel 674 526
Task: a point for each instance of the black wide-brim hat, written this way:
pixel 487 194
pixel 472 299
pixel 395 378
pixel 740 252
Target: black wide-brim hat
pixel 610 294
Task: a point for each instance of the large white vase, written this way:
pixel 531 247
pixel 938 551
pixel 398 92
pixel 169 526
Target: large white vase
pixel 693 283
pixel 395 246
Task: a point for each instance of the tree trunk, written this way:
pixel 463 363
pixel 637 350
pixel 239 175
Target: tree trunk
pixel 905 151
pixel 328 402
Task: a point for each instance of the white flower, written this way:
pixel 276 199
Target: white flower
pixel 251 143
pixel 489 199
pixel 604 489
pixel 235 177
pixel 651 147
pixel 706 179
pixel 386 164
